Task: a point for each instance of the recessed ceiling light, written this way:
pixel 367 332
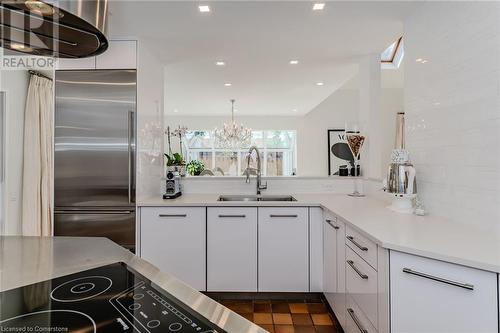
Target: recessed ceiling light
pixel 228 84
pixel 204 8
pixel 220 63
pixel 175 110
pixel 294 110
pixel 319 6
pixel 419 60
pixel 294 62
pixel 424 61
pixel 319 83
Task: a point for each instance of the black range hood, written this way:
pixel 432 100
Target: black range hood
pixel 62 29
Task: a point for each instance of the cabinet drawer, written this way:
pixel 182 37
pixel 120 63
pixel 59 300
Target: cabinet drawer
pixel 361 285
pixel 434 296
pixel 356 321
pixel 174 240
pixel 362 246
pixel 232 249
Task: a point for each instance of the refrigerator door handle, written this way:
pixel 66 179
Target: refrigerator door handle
pixel 90 212
pixel 130 138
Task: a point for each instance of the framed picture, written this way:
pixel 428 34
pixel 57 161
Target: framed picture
pixel 339 153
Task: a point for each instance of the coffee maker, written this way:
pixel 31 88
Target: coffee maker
pixel 172 185
pixel 401 180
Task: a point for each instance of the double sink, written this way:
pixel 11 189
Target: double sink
pixel 256 198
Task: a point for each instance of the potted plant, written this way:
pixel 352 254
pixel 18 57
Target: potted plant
pixel 195 167
pixel 175 162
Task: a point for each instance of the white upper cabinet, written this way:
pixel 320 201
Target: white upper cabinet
pixel 173 239
pixel 121 54
pixel 434 296
pixel 68 64
pixel 283 249
pixel 232 249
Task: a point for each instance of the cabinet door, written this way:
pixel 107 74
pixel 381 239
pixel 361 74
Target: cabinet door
pixel 339 296
pixel 330 279
pixel 316 250
pixel 232 249
pixel 283 249
pixel 121 54
pixel 173 239
pixel 83 63
pixel 433 296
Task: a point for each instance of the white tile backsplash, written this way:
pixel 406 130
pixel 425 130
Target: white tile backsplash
pixel 452 106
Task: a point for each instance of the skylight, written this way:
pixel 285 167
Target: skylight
pixel 393 55
pixel 390 53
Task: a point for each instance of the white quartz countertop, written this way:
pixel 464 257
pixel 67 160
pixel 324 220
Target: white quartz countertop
pixel 27 260
pixel 426 236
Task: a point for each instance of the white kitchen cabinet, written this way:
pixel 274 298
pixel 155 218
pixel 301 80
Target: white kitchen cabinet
pixel 121 54
pixel 316 249
pixel 434 296
pixel 173 239
pixel 334 265
pixel 339 297
pixel 362 285
pixel 283 249
pixel 363 246
pixel 330 264
pixel 232 249
pixel 356 321
pixel 75 64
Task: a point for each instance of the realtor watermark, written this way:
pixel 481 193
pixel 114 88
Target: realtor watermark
pixel 25 62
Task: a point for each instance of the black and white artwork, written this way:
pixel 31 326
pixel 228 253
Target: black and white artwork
pixel 339 154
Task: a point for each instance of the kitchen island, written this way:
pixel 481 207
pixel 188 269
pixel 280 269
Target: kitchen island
pixel 28 260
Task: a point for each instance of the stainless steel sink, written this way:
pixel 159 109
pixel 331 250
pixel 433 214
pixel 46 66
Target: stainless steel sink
pixel 256 198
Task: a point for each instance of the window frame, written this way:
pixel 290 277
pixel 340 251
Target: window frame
pixel 265 150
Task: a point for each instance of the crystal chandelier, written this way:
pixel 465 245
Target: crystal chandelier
pixel 233 135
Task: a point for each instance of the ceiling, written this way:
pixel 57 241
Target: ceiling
pixel 256 40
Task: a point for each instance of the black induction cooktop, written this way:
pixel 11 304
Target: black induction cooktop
pixel 112 298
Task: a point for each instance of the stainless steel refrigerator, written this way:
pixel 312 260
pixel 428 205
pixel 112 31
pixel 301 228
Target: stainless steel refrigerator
pixel 95 154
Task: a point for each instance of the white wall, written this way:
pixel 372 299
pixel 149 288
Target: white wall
pixel 15 84
pixel 453 108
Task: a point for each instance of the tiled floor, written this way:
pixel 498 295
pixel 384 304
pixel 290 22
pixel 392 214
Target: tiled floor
pixel 287 316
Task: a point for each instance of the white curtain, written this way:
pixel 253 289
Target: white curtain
pixel 38 158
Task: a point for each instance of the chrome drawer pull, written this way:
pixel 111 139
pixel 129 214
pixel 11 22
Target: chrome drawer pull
pixel 332 225
pixel 359 246
pixel 363 276
pixel 234 216
pixel 467 286
pixel 279 215
pixel 172 215
pixel 356 321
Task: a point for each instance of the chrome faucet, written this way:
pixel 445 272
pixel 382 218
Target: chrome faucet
pixel 258 171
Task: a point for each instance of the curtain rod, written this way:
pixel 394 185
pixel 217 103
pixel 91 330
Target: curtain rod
pixel 32 72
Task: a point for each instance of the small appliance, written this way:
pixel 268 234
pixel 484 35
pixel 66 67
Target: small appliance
pixel 401 176
pixel 172 185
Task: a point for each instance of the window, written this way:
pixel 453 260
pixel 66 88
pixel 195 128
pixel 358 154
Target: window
pixel 277 152
pixel 393 55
